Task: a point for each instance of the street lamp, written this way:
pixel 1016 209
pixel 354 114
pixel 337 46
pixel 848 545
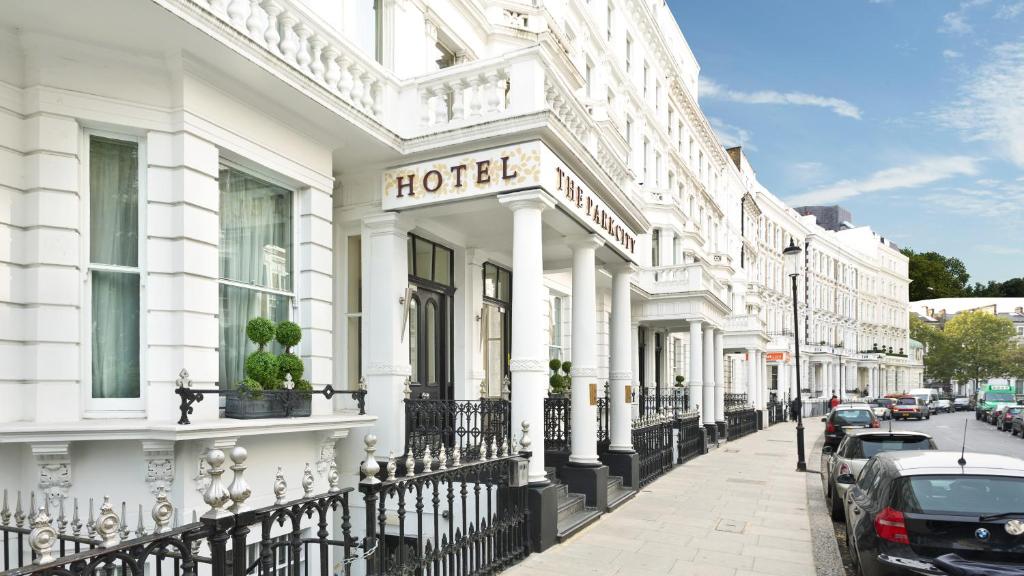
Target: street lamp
pixel 792 254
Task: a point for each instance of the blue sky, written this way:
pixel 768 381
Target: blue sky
pixel 910 113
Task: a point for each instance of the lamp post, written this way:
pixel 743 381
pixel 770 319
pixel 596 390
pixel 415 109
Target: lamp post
pixel 840 357
pixel 792 254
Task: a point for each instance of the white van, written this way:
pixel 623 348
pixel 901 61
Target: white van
pixel 926 396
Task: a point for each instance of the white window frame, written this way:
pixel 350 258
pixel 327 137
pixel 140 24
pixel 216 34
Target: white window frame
pixel 258 171
pixel 112 407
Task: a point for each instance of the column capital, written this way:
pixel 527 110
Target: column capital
pixel 527 199
pixel 388 222
pixel 617 268
pixel 584 241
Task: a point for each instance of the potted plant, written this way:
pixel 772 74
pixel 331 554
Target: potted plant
pixel 273 385
pixel 560 381
pixel 679 381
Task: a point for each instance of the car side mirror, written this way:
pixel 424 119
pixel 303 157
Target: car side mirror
pixel 845 479
pixel 828 450
pixel 823 419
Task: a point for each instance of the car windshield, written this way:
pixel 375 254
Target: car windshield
pixel 869 446
pixel 1014 410
pixel 852 417
pixel 961 401
pixel 974 495
pixel 907 401
pixel 998 397
pixel 884 402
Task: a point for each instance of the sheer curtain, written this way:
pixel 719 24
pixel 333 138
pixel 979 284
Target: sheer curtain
pixel 114 252
pixel 255 254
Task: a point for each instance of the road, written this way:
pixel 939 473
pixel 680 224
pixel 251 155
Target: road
pixel 948 432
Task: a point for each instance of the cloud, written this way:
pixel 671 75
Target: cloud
pixel 1010 11
pixel 951 54
pixel 998 249
pixel 731 135
pixel 996 201
pixel 956 22
pixel 990 108
pixel 711 89
pixel 921 173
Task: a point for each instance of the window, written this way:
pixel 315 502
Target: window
pixel 496 326
pixel 255 263
pixel 354 309
pixel 430 261
pixel 555 327
pixel 629 51
pixel 115 272
pixel 590 79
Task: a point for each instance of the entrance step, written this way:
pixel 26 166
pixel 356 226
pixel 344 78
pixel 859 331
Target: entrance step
pixel 573 512
pixel 617 493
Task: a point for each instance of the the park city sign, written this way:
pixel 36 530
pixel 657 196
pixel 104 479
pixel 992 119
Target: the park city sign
pixel 501 170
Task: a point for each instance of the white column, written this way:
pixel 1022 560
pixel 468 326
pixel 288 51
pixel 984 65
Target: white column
pixel 584 350
pixel 783 391
pixel 708 398
pixel 751 376
pixel 666 237
pixel 620 367
pixel 386 346
pixel 696 377
pixel 765 381
pixel 527 363
pixel 719 376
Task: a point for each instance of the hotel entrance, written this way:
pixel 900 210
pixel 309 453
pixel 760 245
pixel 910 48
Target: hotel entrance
pixel 430 319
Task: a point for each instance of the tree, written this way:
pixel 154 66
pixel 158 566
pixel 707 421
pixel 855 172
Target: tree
pixel 981 343
pixel 1012 288
pixel 933 275
pixel 940 355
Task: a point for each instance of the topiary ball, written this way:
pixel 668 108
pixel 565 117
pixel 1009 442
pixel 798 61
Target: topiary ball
pixel 555 381
pixel 289 364
pixel 566 367
pixel 288 334
pixel 260 331
pixel 554 364
pixel 250 389
pixel 262 367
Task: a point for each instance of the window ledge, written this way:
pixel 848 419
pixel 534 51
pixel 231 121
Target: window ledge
pixel 93 430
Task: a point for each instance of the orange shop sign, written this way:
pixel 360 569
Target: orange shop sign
pixel 777 357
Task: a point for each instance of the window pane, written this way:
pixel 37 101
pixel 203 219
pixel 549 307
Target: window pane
pixel 490 281
pixel 442 266
pixel 424 257
pixel 115 335
pixel 355 274
pixel 494 351
pixel 237 307
pixel 431 334
pixel 414 338
pixel 113 202
pixel 255 231
pixel 355 347
pixel 504 286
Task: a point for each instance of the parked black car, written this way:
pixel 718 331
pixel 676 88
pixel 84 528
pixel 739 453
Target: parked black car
pixel 849 415
pixel 907 508
pixel 1005 420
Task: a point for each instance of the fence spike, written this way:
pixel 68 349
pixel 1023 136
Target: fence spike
pixel 494 447
pixel 42 538
pixel 197 543
pixel 307 481
pixel 163 512
pixel 333 478
pixel 90 526
pixel 108 525
pixel 216 495
pixel 410 465
pixel 428 459
pixel 280 487
pixel 140 530
pixel 76 520
pixel 31 506
pixel 125 531
pixel 5 512
pixel 456 457
pixel 19 515
pixel 442 458
pixel 62 519
pixel 392 466
pixel 370 468
pixel 239 490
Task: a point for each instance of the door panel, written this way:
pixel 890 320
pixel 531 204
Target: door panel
pixel 429 344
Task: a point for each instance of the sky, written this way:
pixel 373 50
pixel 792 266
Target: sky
pixel 909 113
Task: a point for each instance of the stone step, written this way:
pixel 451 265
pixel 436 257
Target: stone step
pixel 569 505
pixel 617 493
pixel 576 522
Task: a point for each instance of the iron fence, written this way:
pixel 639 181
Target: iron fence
pixel 674 400
pixel 469 426
pixel 652 440
pixel 733 400
pixel 741 422
pixel 557 423
pixel 814 407
pixel 691 437
pixel 776 413
pixel 603 419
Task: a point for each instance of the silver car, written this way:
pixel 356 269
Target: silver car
pixel 854 451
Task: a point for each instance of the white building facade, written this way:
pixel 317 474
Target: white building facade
pixel 441 195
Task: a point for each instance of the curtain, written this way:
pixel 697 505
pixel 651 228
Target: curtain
pixel 255 250
pixel 114 240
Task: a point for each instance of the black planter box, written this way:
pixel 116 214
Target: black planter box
pixel 273 404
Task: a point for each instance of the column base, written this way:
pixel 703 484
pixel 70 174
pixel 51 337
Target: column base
pixel 543 506
pixel 712 433
pixel 722 431
pixel 624 464
pixel 591 481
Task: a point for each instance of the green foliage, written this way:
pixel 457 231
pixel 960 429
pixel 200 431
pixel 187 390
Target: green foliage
pixel 933 275
pixel 1012 288
pixel 288 363
pixel 304 386
pixel 260 331
pixel 250 389
pixel 981 343
pixel 554 364
pixel 559 383
pixel 261 366
pixel 288 335
pixel 679 380
pixel 566 367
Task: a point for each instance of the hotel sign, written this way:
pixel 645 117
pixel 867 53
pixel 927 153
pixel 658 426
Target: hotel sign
pixel 500 170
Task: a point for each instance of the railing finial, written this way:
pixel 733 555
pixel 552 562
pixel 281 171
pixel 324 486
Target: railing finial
pixel 407 389
pixel 216 495
pixel 307 481
pixel 524 440
pixel 239 489
pixel 370 468
pixel 442 458
pixel 428 460
pixel 280 487
pixel 184 380
pixel 108 525
pixel 410 465
pixel 392 466
pixel 162 513
pixel 333 478
pixel 42 538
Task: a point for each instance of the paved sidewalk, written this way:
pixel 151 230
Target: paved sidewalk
pixel 740 510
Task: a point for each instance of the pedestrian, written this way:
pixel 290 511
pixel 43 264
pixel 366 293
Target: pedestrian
pixel 793 406
pixel 833 402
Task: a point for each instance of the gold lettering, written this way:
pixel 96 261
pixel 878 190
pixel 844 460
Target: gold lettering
pixel 402 183
pixel 426 181
pixel 483 174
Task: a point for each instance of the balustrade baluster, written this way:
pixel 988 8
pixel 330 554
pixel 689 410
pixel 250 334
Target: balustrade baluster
pixel 272 35
pixel 237 11
pixel 346 82
pixel 254 24
pixel 302 57
pixel 368 82
pixel 288 44
pixel 316 66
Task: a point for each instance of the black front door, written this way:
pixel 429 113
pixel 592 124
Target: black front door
pixel 429 344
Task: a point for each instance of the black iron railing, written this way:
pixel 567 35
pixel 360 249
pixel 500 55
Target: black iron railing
pixel 733 400
pixel 557 423
pixel 652 440
pixel 776 412
pixel 673 399
pixel 603 419
pixel 691 437
pixel 468 425
pixel 741 422
pixel 71 534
